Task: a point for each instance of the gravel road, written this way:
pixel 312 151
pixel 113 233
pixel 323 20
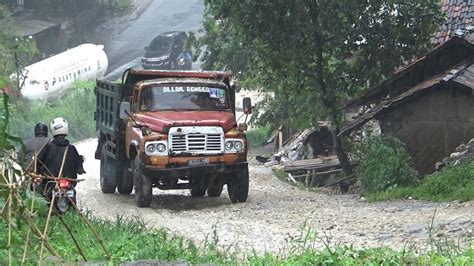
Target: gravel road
pixel 275 213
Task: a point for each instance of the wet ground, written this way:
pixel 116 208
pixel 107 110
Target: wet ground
pixel 276 212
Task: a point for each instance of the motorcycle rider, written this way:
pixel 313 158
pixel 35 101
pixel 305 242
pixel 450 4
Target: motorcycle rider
pixel 50 159
pixel 36 144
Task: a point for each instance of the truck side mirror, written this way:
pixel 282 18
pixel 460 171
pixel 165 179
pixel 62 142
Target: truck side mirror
pixel 247 105
pixel 124 110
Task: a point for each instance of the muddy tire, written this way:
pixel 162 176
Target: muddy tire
pixel 125 180
pixel 215 191
pixel 108 173
pixel 143 186
pixel 198 192
pixel 238 186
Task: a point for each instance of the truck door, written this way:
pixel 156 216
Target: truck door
pixel 128 126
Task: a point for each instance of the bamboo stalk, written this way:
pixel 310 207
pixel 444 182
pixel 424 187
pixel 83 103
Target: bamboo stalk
pixel 10 228
pixel 52 206
pixel 54 178
pixel 6 180
pixel 47 169
pixel 41 237
pixel 36 230
pixel 62 163
pixel 29 229
pixel 46 228
pixel 24 238
pixel 73 238
pixel 91 228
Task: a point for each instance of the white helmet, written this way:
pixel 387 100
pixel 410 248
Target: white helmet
pixel 59 126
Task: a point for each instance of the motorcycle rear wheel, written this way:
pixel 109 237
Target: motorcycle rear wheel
pixel 62 204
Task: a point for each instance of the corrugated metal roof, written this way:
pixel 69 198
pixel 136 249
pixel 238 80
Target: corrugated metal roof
pixel 460 14
pixel 462 74
pixel 466 39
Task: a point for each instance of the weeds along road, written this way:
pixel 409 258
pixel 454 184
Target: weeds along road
pixel 276 212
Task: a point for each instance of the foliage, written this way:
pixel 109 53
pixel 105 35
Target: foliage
pixel 384 164
pixel 15 52
pixel 455 182
pixel 130 240
pixel 122 5
pixel 77 107
pixel 258 137
pixel 314 54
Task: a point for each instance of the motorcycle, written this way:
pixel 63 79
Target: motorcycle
pixel 184 61
pixel 63 192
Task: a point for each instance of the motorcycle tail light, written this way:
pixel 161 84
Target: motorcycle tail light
pixel 63 183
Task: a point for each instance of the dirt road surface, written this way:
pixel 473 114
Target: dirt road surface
pixel 275 213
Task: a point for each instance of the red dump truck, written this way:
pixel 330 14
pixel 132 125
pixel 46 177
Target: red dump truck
pixel 171 130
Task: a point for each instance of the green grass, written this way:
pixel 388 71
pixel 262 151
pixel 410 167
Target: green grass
pixel 449 184
pixel 131 240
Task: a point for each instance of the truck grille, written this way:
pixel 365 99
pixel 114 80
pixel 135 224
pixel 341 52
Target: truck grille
pixel 196 141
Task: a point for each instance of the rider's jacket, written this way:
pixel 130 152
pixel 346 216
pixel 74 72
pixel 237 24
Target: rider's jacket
pixel 51 158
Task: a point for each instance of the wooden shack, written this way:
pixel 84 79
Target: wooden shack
pixel 429 104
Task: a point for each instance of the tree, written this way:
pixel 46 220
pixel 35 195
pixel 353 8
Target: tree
pixel 315 54
pixel 15 52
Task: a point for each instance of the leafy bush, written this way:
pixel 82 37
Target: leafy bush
pixel 384 164
pixel 455 182
pixel 77 107
pixel 451 183
pixel 257 137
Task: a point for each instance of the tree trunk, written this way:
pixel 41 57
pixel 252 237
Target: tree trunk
pixel 340 152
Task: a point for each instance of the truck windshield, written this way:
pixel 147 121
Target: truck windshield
pixel 183 97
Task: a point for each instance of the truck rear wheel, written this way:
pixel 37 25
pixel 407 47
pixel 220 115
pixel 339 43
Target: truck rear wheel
pixel 108 171
pixel 143 187
pixel 238 186
pixel 215 190
pixel 198 192
pixel 125 180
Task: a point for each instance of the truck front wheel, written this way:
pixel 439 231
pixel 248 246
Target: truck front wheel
pixel 197 186
pixel 143 187
pixel 125 180
pixel 238 186
pixel 108 177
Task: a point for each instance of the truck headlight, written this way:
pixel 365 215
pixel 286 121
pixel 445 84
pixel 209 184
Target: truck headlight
pixel 229 145
pixel 156 148
pixel 160 147
pixel 238 145
pixel 150 148
pixel 234 145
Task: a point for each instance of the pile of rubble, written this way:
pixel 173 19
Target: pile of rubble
pixel 462 153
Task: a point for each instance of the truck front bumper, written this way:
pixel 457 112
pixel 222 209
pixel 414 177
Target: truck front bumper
pixel 201 170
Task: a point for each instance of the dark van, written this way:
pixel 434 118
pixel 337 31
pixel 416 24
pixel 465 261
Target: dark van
pixel 166 52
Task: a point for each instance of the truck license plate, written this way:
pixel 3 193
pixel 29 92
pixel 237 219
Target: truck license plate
pixel 198 161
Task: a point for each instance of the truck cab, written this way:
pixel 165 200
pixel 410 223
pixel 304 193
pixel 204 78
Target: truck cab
pixel 171 130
